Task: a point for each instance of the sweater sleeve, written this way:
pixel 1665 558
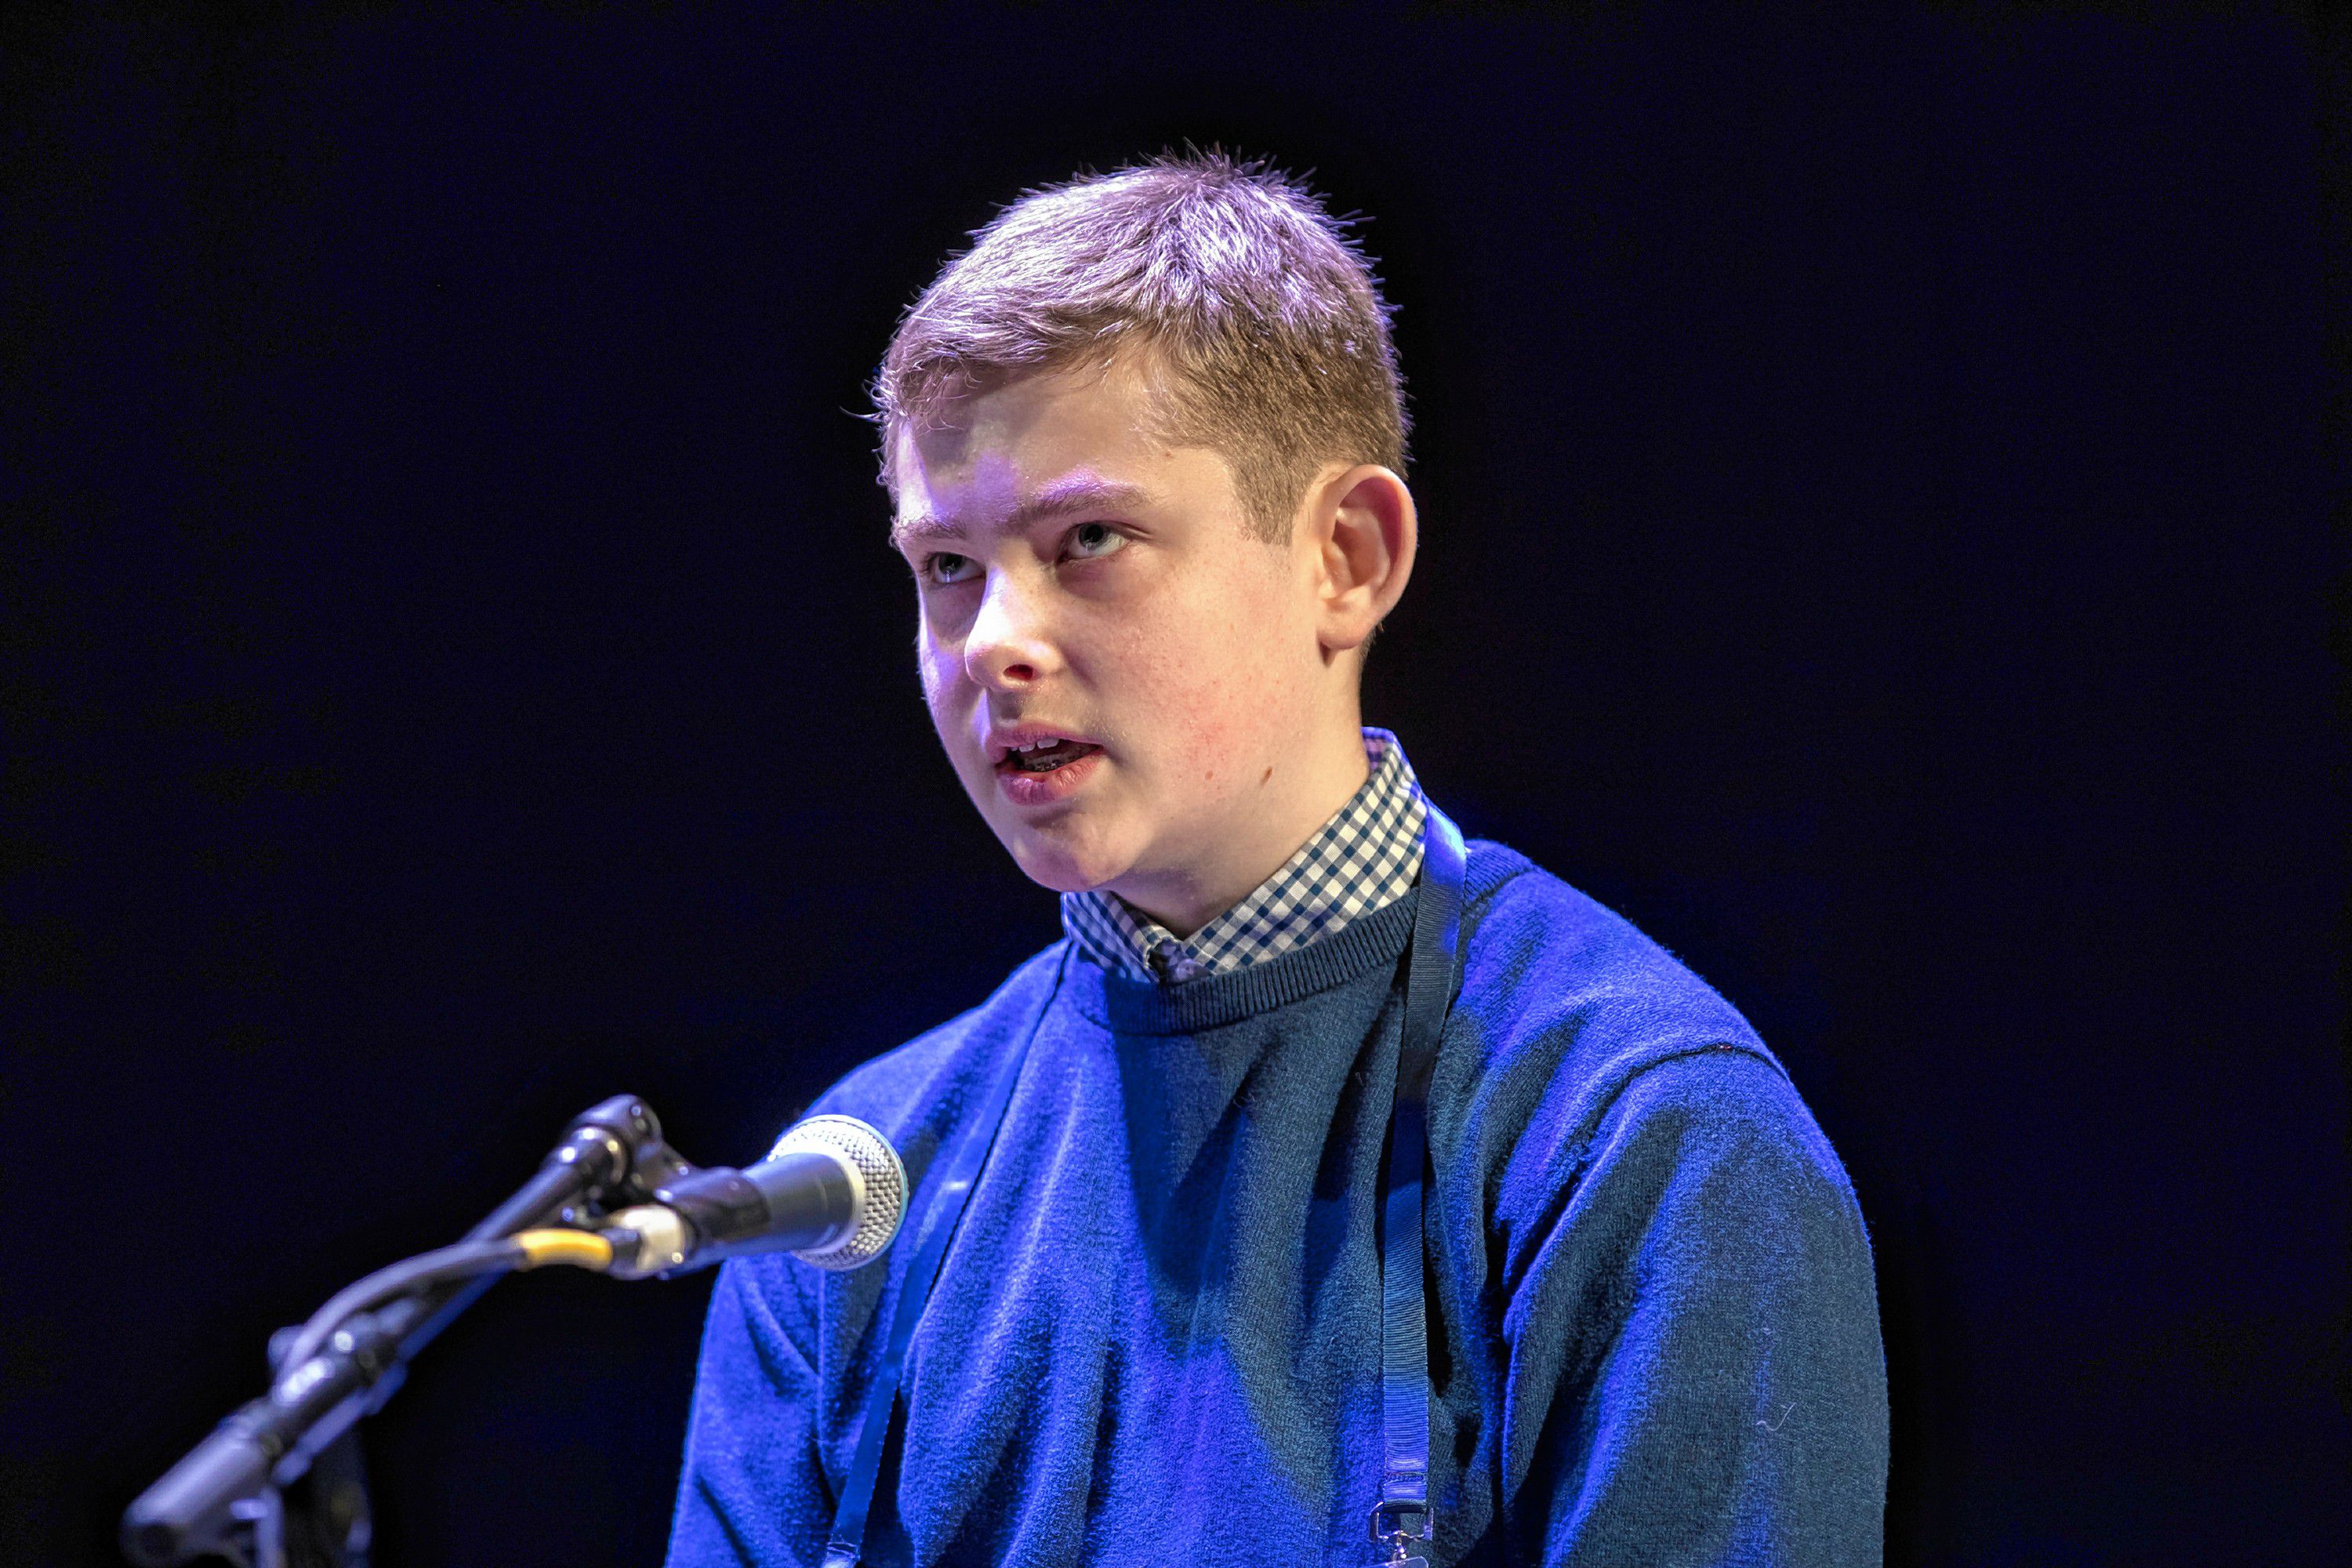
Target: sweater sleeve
pixel 1694 1369
pixel 752 1491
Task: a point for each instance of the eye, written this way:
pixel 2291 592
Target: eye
pixel 944 568
pixel 1090 541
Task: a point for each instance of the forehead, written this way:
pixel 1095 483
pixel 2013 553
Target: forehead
pixel 990 453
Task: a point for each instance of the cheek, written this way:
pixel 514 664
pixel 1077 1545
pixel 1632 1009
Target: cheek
pixel 1209 732
pixel 1207 686
pixel 942 676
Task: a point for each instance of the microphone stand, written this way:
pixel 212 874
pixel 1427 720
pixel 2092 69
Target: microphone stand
pixel 230 1495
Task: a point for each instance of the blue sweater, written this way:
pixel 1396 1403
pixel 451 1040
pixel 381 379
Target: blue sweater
pixel 1157 1337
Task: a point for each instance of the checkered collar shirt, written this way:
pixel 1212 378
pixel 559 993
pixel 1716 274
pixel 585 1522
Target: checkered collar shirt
pixel 1364 858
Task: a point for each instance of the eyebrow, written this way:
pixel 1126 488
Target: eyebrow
pixel 1083 493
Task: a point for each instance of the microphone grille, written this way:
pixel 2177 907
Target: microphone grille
pixel 883 1178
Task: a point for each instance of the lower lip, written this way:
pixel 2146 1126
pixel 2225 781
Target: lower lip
pixel 1044 789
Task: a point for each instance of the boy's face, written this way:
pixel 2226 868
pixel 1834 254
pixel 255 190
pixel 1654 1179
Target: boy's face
pixel 1085 585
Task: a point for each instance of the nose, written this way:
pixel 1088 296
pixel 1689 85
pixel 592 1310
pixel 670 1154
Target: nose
pixel 1007 648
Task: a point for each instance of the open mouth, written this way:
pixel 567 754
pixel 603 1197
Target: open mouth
pixel 1046 755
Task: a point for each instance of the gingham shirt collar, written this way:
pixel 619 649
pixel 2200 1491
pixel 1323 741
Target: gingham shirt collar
pixel 1365 857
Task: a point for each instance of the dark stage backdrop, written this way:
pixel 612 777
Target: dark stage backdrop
pixel 1875 475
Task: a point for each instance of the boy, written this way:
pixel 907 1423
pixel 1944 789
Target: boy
pixel 1144 442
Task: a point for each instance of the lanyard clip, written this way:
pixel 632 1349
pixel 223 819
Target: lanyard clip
pixel 1390 1526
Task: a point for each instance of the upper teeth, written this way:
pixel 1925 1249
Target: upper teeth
pixel 1037 746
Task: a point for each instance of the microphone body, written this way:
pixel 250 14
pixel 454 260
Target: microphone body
pixel 831 1193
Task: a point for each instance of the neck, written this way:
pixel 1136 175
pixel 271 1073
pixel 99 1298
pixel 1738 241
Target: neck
pixel 1265 830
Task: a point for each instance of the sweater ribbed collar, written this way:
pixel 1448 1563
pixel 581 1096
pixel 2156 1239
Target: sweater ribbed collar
pixel 1129 1004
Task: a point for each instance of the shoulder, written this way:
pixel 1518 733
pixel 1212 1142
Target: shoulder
pixel 1543 960
pixel 916 1093
pixel 1719 1132
pixel 1573 1029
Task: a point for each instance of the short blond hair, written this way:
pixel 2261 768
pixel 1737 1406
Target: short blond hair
pixel 1257 308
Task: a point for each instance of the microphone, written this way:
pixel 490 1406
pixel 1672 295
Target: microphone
pixel 831 1193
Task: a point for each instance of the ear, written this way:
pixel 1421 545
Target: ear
pixel 1364 530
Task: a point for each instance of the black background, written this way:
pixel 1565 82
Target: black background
pixel 1876 470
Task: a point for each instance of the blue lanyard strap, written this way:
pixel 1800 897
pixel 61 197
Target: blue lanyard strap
pixel 1402 1512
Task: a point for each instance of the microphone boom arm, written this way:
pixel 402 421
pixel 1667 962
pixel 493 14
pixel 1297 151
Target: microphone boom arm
pixel 227 1485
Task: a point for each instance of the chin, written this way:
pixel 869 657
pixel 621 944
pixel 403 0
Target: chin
pixel 1074 864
